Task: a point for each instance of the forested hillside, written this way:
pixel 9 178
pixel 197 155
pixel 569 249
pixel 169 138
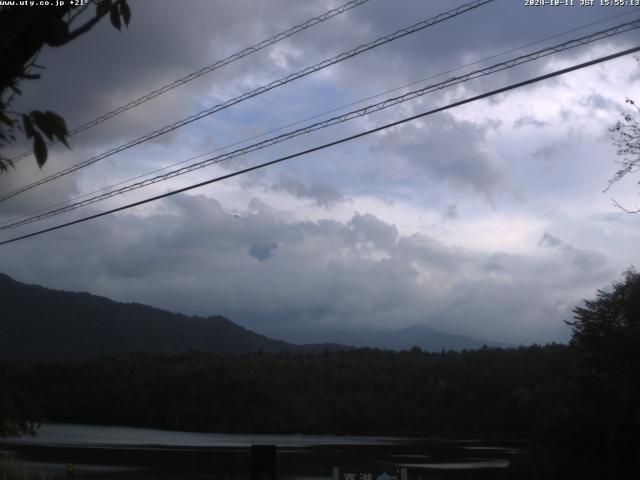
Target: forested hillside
pixel 40 323
pixel 363 391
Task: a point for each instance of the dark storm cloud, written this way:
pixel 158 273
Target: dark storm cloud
pixel 446 149
pixel 548 240
pixel 317 274
pixel 42 197
pixel 529 120
pixel 262 251
pixel 166 40
pixel 169 39
pixel 321 193
pixel 497 27
pixel 451 212
pixel 367 230
pixel 591 263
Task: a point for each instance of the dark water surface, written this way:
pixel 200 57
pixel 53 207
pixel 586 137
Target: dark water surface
pixel 123 453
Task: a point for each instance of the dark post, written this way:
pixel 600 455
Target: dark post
pixel 263 462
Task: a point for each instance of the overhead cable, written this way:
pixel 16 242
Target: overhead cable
pixel 210 68
pixel 625 27
pixel 265 88
pixel 331 144
pixel 313 117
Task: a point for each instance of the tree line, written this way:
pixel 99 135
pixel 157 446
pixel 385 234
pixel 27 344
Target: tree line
pixel 362 391
pixel 579 403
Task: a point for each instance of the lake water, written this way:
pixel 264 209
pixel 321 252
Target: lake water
pixel 123 453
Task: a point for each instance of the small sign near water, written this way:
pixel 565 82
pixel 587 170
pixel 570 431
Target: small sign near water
pixel 345 473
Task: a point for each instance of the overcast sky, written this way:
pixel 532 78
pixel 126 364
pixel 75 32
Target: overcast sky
pixel 486 220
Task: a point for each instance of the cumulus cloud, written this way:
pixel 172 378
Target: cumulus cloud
pixel 548 240
pixel 321 193
pixel 451 212
pixel 446 149
pixel 262 251
pixel 548 151
pixel 528 120
pixel 314 275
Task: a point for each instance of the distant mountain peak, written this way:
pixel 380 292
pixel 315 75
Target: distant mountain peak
pixel 41 323
pixel 423 336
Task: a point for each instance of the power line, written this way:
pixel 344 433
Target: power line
pixel 208 69
pixel 9 223
pixel 265 88
pixel 619 29
pixel 331 144
pixel 339 119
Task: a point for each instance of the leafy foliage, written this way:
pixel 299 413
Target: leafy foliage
pixel 606 331
pixel 627 140
pixel 49 123
pixel 597 434
pixel 24 31
pixel 606 336
pixel 626 137
pixel 19 415
pixel 11 470
pixel 19 47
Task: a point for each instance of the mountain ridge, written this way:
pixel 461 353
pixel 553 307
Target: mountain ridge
pixel 427 338
pixel 46 324
pixel 41 323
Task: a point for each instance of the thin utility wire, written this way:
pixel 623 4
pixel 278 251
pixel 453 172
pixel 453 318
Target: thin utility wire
pixel 265 88
pixel 331 144
pixel 208 69
pixel 313 117
pixel 596 36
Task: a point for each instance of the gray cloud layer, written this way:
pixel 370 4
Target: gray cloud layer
pixel 354 266
pixel 194 257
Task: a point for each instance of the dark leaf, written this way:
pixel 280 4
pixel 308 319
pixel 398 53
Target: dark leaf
pixel 28 126
pixel 59 127
pixel 103 7
pixel 56 32
pixel 51 124
pixel 125 11
pixel 115 17
pixel 39 148
pixel 43 122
